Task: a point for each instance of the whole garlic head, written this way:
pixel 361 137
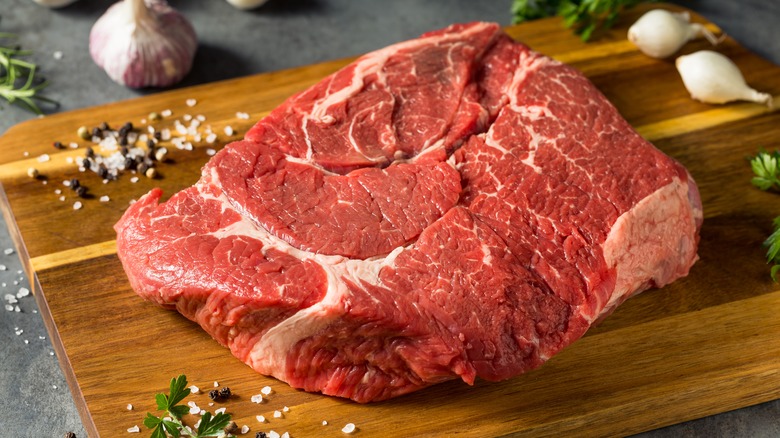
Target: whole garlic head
pixel 143 43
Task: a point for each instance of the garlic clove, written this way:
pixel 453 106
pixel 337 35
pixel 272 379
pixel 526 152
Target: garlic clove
pixel 711 77
pixel 54 3
pixel 247 4
pixel 143 43
pixel 660 33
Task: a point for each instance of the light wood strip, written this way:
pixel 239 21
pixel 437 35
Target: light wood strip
pixel 703 120
pixel 71 256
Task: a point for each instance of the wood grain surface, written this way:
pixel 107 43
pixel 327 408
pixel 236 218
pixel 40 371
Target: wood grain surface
pixel 705 344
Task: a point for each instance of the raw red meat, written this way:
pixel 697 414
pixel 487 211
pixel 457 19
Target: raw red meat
pixel 454 206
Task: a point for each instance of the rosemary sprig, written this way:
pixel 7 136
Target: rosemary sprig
pixel 18 82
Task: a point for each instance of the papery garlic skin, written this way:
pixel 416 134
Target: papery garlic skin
pixel 54 3
pixel 660 33
pixel 711 77
pixel 143 43
pixel 247 4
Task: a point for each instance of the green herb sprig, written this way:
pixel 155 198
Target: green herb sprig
pixel 766 171
pixel 162 427
pixel 584 16
pixel 18 81
pixel 766 167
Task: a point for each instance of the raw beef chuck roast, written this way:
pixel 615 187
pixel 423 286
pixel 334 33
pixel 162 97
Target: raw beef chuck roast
pixel 454 206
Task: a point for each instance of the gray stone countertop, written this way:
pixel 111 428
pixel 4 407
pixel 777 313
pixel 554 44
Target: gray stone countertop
pixel 35 398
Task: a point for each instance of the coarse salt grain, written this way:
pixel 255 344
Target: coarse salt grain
pixel 286 409
pixel 129 407
pixel 77 205
pixel 286 435
pixel 244 429
pixel 229 130
pixel 257 398
pixel 12 300
pixel 134 429
pixel 244 116
pixel 191 102
pixel 324 422
pixel 211 138
pixel 266 390
pixel 8 251
pixel 104 198
pixel 62 198
pixel 51 353
pixel 9 307
pixel 23 292
pixel 211 152
pixel 166 113
pixel 194 410
pixel 273 434
pixel 277 414
pixel 348 428
pixel 216 384
pixel 19 332
pixel 26 341
pixel 194 389
pixel 220 411
pixel 260 418
pixel 134 179
pixel 57 55
pixel 201 117
pixel 3 268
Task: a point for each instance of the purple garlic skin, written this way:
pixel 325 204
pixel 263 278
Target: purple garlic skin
pixel 143 43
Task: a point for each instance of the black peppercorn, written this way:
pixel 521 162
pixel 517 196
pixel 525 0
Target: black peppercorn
pixel 261 435
pixel 58 145
pixel 104 126
pixel 70 435
pixel 89 152
pixel 81 191
pixel 128 126
pixel 123 140
pixel 96 132
pixel 224 392
pixel 74 184
pixel 102 170
pixel 123 150
pixel 158 136
pixel 130 164
pixel 214 394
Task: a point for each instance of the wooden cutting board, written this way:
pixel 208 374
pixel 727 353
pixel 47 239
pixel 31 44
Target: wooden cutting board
pixel 705 344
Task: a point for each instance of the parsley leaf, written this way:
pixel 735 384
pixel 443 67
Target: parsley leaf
pixel 584 16
pixel 212 426
pixel 766 167
pixel 773 252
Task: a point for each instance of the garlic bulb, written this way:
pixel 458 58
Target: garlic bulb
pixel 660 33
pixel 143 43
pixel 247 4
pixel 54 3
pixel 713 78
